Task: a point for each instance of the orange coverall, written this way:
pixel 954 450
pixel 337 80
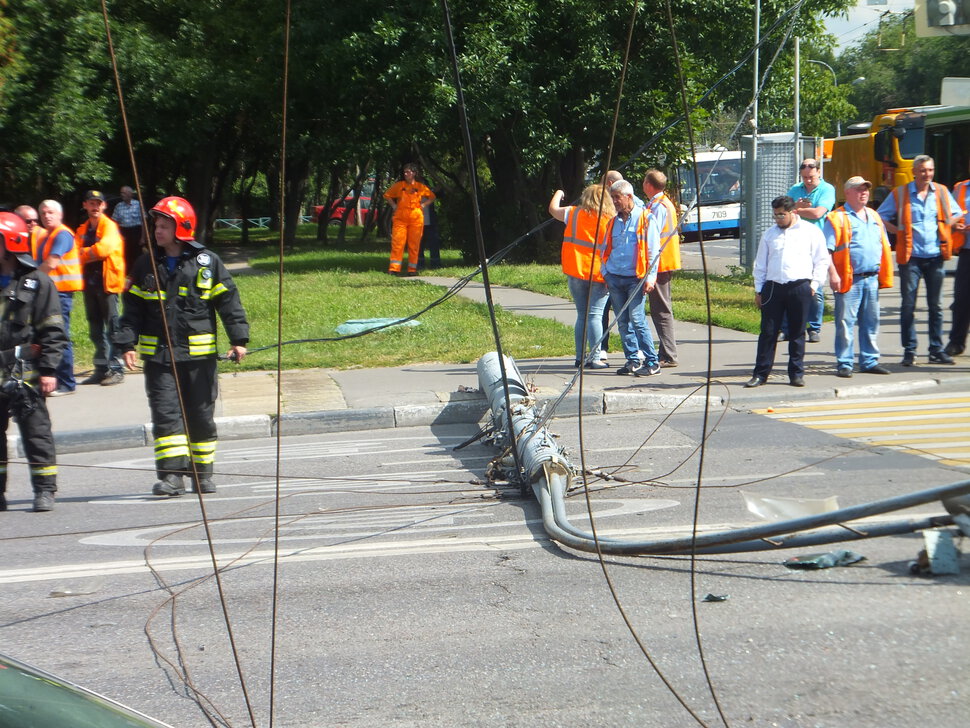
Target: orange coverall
pixel 408 222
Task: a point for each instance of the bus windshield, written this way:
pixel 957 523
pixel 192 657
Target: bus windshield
pixel 720 179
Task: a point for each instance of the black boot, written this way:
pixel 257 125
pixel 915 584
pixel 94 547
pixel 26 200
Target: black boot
pixel 170 485
pixel 43 501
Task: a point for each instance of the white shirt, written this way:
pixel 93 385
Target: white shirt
pixel 791 254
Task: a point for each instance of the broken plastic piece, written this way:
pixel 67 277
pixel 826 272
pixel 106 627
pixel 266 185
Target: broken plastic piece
pixel 356 326
pixel 779 508
pixel 842 557
pixel 939 557
pixel 81 588
pixel 715 598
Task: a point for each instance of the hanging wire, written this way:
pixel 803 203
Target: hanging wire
pixel 178 388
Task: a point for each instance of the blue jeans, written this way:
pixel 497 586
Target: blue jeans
pixel 65 370
pixel 860 304
pixel 930 270
pixel 631 322
pixel 595 295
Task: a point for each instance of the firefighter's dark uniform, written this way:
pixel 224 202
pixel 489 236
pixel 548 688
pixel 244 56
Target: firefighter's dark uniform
pixel 198 288
pixel 31 319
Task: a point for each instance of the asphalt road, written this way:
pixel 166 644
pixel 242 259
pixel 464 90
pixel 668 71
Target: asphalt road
pixel 412 593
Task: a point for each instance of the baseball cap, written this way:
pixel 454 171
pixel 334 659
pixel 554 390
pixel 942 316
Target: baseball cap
pixel 93 195
pixel 856 181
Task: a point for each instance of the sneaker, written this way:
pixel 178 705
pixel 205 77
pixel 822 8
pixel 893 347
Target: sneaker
pixel 597 364
pixel 909 358
pixel 941 357
pixel 170 485
pixel 814 337
pixel 953 349
pixel 782 336
pixel 43 501
pixel 845 372
pixel 648 370
pixel 61 392
pixel 96 377
pixel 631 367
pixel 113 377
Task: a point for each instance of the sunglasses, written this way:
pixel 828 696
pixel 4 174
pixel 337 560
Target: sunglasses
pixel 808 166
pixel 31 220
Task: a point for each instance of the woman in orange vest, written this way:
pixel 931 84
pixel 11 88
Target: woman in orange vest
pixel 408 197
pixel 583 243
pixel 961 280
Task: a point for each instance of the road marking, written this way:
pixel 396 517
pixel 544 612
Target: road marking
pixel 933 427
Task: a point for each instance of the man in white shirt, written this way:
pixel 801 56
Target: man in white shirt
pixel 791 264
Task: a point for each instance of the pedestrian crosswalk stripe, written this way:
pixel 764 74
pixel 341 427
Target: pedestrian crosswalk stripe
pixel 935 427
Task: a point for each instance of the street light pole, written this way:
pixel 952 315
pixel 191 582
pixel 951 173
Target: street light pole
pixel 835 80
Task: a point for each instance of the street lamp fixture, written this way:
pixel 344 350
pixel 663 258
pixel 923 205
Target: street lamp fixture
pixel 835 80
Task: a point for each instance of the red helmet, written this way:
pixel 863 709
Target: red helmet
pixel 14 232
pixel 179 210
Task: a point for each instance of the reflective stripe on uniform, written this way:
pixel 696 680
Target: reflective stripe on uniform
pixel 42 471
pixel 203 453
pixel 147 345
pixel 216 290
pixel 146 295
pixel 202 344
pixel 172 446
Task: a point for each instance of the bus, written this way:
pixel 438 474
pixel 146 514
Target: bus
pixel 720 199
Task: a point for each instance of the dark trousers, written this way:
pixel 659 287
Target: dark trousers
pixel 961 300
pixel 778 299
pixel 133 251
pixel 102 313
pixel 173 440
pixel 38 440
pixel 65 370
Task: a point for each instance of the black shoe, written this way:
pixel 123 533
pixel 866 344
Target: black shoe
pixel 3 502
pixel 909 358
pixel 755 381
pixel 953 350
pixel 170 485
pixel 814 337
pixel 96 378
pixel 876 369
pixel 845 372
pixel 113 377
pixel 797 381
pixel 43 501
pixel 941 357
pixel 648 370
pixel 631 367
pixel 205 486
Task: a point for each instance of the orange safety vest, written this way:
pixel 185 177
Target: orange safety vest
pixel 904 238
pixel 960 193
pixel 669 239
pixel 579 251
pixel 841 258
pixel 110 248
pixel 66 276
pixel 643 246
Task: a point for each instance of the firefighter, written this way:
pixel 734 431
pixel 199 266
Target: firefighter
pixel 194 285
pixel 32 342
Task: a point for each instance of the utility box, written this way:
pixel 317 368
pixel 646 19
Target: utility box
pixel 769 172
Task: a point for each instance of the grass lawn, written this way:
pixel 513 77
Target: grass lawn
pixel 325 286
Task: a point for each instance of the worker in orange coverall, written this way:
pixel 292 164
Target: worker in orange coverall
pixel 408 197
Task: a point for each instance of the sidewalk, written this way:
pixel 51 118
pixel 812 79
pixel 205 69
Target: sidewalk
pixel 325 400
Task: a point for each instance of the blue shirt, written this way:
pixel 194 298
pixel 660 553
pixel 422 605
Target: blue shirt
pixel 865 248
pixel 625 245
pixel 62 243
pixel 926 235
pixel 127 214
pixel 822 196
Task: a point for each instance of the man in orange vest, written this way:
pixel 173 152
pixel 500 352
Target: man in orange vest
pixel 925 213
pixel 861 264
pixel 661 311
pixel 56 255
pixel 102 254
pixel 961 280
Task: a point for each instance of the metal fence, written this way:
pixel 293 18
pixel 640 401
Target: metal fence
pixel 257 223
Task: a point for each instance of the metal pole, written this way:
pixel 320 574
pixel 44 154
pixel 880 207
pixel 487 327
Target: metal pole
pixel 835 80
pixel 748 252
pixel 798 94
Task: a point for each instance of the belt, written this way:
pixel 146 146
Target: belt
pixel 791 283
pixel 867 275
